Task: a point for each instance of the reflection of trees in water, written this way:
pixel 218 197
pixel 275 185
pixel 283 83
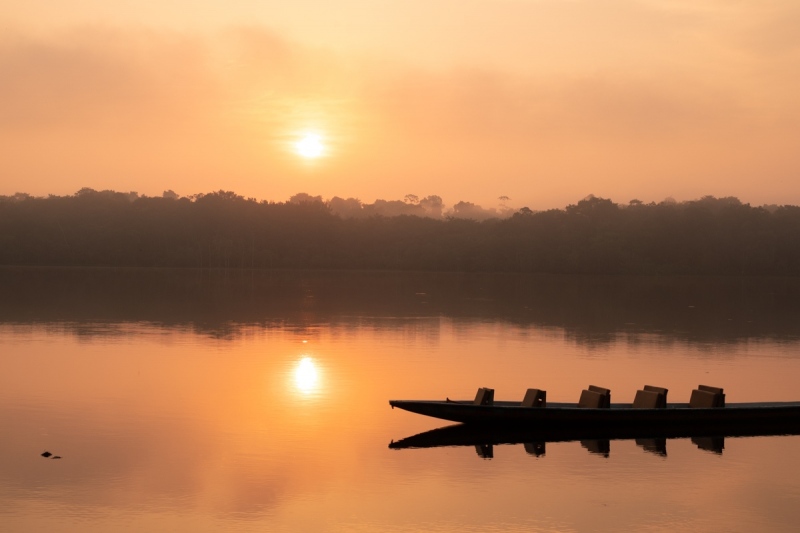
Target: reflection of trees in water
pixel 590 310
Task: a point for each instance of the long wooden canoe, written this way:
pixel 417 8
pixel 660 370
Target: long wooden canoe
pixel 569 415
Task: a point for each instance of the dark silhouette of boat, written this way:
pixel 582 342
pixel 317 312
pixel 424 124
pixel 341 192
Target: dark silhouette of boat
pixel 649 414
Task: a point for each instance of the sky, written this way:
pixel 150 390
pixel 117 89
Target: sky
pixel 541 101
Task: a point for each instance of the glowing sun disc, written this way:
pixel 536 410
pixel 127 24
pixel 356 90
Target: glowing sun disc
pixel 310 146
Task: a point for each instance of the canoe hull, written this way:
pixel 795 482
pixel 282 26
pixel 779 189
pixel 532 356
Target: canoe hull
pixel 557 415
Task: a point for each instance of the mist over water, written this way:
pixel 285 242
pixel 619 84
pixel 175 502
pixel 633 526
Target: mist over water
pixel 241 401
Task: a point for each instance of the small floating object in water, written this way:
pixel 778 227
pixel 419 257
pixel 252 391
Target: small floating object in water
pixel 56 457
pixel 46 454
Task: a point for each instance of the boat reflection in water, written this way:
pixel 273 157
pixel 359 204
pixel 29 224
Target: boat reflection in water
pixel 595 440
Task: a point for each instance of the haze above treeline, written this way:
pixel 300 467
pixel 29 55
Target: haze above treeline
pixel 225 230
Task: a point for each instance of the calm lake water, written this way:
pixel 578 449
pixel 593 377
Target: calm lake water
pixel 252 401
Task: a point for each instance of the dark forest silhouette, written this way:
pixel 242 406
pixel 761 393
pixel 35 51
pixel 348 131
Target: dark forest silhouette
pixel 224 230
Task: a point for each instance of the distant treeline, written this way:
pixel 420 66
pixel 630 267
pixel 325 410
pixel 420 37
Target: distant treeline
pixel 224 230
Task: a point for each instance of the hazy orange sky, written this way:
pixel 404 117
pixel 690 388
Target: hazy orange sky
pixel 543 101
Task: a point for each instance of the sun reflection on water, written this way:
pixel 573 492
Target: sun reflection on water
pixel 306 376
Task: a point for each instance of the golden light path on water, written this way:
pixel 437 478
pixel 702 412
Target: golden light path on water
pixel 271 432
pixel 306 376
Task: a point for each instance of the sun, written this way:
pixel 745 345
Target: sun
pixel 310 146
